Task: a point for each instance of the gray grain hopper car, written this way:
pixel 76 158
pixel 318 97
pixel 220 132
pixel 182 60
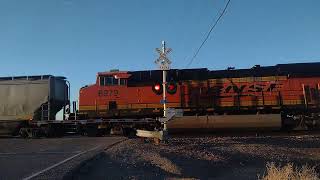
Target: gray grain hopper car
pixel 30 98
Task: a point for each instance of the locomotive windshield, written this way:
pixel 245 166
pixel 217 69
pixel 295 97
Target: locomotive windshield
pixel 111 81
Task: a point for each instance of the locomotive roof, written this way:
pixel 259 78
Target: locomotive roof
pixel 152 76
pixel 293 70
pixel 34 77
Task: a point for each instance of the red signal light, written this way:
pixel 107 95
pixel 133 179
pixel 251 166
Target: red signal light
pixel 171 87
pixel 157 87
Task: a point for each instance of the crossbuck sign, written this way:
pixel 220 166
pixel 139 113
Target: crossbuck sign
pixel 163 62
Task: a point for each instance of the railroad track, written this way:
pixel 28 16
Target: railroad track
pixel 245 134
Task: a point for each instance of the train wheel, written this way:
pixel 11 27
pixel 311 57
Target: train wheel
pixel 81 130
pixel 92 130
pixel 129 132
pixel 23 133
pixel 117 130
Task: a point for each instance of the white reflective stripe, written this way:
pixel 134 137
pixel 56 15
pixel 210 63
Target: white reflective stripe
pixel 59 163
pixel 35 153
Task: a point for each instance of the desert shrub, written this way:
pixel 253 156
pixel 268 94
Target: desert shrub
pixel 289 172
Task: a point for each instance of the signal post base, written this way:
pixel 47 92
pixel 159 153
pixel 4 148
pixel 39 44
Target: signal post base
pixel 156 135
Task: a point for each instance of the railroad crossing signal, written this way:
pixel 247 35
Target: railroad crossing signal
pixel 164 65
pixel 163 61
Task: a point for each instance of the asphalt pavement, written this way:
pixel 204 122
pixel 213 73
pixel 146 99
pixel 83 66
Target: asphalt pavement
pixel 35 158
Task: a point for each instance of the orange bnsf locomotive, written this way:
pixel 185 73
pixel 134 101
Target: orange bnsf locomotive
pixel 291 90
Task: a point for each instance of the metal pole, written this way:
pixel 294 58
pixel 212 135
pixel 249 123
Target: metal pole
pixel 164 82
pixel 164 75
pixel 318 98
pixel 75 109
pixel 65 103
pixel 64 106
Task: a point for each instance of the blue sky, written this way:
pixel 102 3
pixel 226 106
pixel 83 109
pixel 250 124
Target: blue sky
pixel 78 38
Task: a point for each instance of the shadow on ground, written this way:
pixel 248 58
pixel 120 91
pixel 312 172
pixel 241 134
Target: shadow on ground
pixel 201 158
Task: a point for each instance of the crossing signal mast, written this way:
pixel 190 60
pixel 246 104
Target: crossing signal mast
pixel 164 64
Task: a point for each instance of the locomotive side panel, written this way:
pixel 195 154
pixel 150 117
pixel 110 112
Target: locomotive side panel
pixel 195 95
pixel 97 100
pixel 144 97
pixel 305 91
pixel 227 95
pixel 262 92
pixel 247 92
pixel 111 97
pixel 291 91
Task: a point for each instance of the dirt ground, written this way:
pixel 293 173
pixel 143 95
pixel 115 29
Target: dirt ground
pixel 202 157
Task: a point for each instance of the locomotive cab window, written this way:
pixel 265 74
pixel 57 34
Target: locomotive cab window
pixel 123 82
pixel 111 81
pixel 115 81
pixel 108 81
pixel 101 81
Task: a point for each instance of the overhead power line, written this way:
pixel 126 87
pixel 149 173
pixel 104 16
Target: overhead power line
pixel 208 34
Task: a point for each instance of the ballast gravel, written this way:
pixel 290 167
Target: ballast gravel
pixel 208 157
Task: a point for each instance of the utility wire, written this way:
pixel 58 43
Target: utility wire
pixel 207 36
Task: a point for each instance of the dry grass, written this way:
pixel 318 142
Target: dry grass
pixel 289 172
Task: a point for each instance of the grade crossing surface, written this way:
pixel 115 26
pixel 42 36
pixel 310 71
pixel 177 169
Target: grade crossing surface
pixel 34 158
